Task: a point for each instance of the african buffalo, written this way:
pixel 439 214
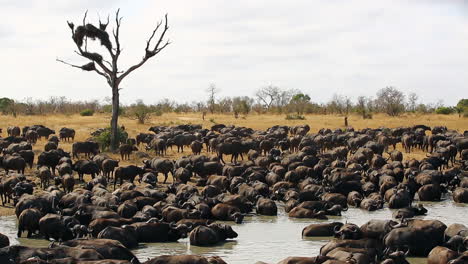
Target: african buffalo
pixel 211 234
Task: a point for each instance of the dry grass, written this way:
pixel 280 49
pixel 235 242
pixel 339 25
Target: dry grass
pixel 85 125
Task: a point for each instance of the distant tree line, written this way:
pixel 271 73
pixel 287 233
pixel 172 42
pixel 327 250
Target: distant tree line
pixel 268 99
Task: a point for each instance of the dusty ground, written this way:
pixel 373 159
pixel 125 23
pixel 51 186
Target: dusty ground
pixel 85 125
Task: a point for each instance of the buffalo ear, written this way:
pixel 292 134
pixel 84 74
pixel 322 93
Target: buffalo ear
pixel 337 228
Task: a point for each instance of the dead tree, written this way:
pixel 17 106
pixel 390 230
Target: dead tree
pixel 109 68
pixel 212 91
pixel 268 95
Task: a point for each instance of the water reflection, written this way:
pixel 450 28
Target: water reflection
pixel 267 238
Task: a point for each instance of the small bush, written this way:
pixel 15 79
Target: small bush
pixel 212 120
pixel 87 112
pixel 104 138
pixel 106 109
pixel 461 110
pixel 367 115
pixel 444 110
pixel 140 112
pixel 295 117
pixel 158 113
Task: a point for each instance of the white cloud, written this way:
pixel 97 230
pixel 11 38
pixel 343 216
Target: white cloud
pixel 321 47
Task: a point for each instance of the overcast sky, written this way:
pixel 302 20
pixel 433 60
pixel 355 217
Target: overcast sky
pixel 322 47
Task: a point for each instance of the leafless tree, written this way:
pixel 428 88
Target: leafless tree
pixel 412 102
pixel 391 101
pixel 439 103
pixel 364 107
pixel 29 106
pixel 284 98
pixel 339 104
pixel 109 69
pixel 224 105
pixel 268 95
pixel 212 91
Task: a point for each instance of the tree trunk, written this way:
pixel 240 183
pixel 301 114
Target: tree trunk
pixel 114 120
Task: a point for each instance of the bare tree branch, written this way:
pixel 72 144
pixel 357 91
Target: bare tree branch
pixel 86 57
pixel 108 63
pixel 103 26
pixel 84 24
pixel 152 35
pixel 156 48
pixel 115 32
pixel 72 27
pixel 84 18
pixel 149 52
pixel 67 63
pixel 87 67
pixel 98 62
pixel 268 95
pixel 105 75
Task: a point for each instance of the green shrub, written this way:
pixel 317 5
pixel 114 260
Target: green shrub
pixel 462 108
pixel 463 104
pixel 6 105
pixel 295 117
pixel 106 109
pixel 87 112
pixel 104 138
pixel 444 110
pixel 139 112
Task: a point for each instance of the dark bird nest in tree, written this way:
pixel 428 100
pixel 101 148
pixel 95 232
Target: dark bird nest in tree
pixel 79 35
pixel 93 33
pixel 88 67
pixel 92 56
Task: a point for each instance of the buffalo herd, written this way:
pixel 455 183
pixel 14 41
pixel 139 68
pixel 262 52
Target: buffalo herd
pixel 240 172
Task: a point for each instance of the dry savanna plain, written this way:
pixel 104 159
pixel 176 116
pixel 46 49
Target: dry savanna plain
pixel 84 125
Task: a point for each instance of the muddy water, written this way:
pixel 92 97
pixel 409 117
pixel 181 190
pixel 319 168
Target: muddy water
pixel 267 239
